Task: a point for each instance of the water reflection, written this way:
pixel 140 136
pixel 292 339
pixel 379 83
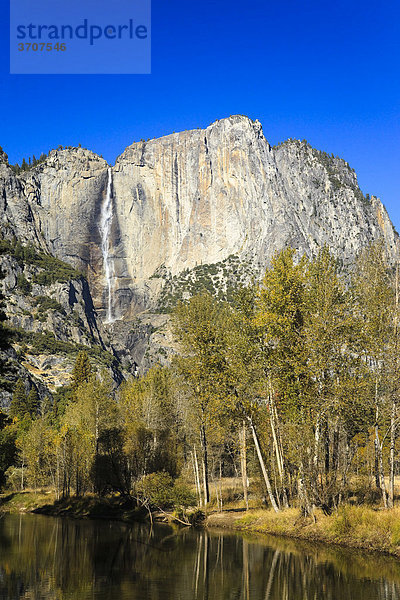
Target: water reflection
pixel 46 558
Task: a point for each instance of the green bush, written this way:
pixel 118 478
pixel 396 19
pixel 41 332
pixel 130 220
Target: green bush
pixel 196 518
pixel 14 478
pixel 160 490
pixel 341 522
pixel 23 284
pixel 156 489
pixel 46 303
pixel 183 496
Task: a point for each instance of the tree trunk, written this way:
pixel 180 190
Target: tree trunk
pixel 303 495
pixel 220 483
pixel 376 440
pixel 273 415
pixel 196 476
pixel 316 444
pixel 394 407
pixel 382 477
pixel 263 468
pixel 243 463
pixel 279 460
pixel 379 471
pixel 22 472
pixel 391 456
pixel 205 465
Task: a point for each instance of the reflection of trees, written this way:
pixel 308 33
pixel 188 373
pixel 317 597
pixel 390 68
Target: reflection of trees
pixel 59 559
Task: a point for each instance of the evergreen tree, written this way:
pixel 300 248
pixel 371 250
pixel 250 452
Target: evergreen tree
pixel 33 402
pixel 5 337
pixel 61 398
pixel 8 448
pixel 82 370
pixel 19 403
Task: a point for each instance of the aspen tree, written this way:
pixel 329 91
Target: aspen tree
pixel 199 326
pixel 371 283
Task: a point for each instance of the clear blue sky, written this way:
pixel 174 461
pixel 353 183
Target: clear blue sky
pixel 328 72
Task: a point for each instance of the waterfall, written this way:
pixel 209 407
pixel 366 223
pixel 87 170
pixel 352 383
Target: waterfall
pixel 105 229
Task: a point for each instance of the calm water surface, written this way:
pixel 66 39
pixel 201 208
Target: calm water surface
pixel 49 558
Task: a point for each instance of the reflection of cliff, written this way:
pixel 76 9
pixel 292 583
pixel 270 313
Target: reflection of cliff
pixel 53 558
pixel 187 199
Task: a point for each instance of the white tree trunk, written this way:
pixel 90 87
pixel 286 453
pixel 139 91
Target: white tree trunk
pixel 263 467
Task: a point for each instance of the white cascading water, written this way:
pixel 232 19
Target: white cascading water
pixel 105 229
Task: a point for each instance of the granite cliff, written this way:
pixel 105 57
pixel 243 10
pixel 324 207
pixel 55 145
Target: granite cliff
pixel 183 212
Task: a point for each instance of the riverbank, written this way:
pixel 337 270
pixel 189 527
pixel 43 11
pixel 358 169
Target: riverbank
pixel 351 526
pixel 27 501
pixel 115 508
pixel 359 527
pixel 94 507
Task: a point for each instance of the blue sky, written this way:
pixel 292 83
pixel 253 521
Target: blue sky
pixel 328 72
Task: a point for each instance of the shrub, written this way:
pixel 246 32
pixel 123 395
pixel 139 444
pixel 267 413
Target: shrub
pixel 160 490
pixel 183 496
pixel 14 478
pixel 45 303
pixel 156 489
pixel 23 284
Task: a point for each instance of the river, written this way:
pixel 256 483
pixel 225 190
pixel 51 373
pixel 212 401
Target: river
pixel 52 558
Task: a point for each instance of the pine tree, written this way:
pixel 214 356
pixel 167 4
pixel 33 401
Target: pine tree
pixel 33 402
pixel 7 446
pixel 5 336
pixel 19 402
pixel 82 370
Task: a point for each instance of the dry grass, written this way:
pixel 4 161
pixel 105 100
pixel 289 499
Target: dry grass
pixel 351 526
pixel 27 501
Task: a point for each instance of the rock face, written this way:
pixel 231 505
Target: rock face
pixel 65 194
pixel 50 312
pixel 200 196
pixel 191 198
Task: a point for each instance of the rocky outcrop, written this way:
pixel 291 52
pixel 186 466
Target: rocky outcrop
pixel 17 217
pixel 52 318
